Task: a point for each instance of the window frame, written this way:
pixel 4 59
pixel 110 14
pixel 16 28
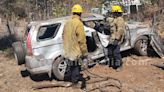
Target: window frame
pixel 55 33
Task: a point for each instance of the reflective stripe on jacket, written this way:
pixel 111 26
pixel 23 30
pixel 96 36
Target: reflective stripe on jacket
pixel 74 39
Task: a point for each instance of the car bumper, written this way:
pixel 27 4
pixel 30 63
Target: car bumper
pixel 37 65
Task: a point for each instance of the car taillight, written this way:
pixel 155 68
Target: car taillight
pixel 28 45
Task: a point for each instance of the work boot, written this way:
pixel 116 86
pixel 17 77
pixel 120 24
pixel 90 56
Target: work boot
pixel 119 69
pixel 68 84
pixel 110 62
pixel 77 85
pixel 118 65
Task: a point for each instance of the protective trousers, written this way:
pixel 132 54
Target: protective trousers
pixel 115 59
pixel 72 71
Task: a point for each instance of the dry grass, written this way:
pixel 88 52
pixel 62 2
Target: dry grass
pixel 8 53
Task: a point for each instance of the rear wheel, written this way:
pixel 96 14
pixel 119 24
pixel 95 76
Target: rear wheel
pixel 59 68
pixel 19 52
pixel 141 46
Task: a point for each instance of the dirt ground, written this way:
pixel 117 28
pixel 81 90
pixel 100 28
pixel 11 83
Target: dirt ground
pixel 137 75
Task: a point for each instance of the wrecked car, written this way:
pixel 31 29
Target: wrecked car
pixel 42 49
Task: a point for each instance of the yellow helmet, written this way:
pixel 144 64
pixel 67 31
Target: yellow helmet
pixel 77 9
pixel 116 8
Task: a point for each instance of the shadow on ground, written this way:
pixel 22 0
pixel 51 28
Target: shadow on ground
pixel 37 78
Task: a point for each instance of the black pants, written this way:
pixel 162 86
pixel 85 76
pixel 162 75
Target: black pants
pixel 72 72
pixel 115 59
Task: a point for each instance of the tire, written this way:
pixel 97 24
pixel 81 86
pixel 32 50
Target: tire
pixel 59 68
pixel 141 46
pixel 19 52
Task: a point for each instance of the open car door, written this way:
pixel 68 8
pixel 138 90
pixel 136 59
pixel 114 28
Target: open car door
pixel 156 41
pixel 157 45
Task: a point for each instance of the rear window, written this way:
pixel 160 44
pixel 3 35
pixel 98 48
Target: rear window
pixel 48 32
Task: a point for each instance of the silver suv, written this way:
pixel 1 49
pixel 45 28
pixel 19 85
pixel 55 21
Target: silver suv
pixel 44 48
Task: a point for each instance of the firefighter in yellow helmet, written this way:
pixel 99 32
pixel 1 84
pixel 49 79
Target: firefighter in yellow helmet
pixel 74 41
pixel 117 35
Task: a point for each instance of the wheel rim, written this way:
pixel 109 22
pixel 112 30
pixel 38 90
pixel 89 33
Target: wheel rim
pixel 16 58
pixel 62 67
pixel 144 46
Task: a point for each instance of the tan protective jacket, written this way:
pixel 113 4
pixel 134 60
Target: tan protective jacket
pixel 74 39
pixel 117 29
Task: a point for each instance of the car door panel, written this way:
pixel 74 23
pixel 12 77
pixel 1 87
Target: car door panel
pixel 157 45
pixel 156 41
pixel 47 46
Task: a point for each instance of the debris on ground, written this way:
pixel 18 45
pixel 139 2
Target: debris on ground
pixel 159 65
pixel 93 82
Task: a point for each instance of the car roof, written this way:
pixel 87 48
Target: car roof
pixel 92 16
pixel 85 17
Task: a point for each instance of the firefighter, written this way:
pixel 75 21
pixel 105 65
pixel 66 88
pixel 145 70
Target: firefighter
pixel 117 35
pixel 74 41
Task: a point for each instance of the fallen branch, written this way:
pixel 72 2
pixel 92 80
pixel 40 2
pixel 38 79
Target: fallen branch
pixel 100 87
pixel 95 81
pixel 159 66
pixel 50 85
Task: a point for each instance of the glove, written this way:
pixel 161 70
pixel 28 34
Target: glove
pixel 85 64
pixel 85 61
